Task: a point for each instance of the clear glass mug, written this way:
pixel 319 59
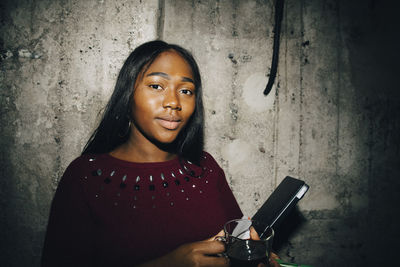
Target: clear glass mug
pixel 244 246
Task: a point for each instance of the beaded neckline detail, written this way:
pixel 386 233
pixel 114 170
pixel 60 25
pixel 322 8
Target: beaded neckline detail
pixel 180 181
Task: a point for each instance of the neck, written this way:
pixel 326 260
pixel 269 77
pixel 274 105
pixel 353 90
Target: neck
pixel 142 150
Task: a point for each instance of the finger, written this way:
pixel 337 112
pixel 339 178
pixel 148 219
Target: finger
pixel 272 260
pixel 220 233
pixel 273 256
pixel 215 261
pixel 273 263
pixel 210 247
pixel 253 234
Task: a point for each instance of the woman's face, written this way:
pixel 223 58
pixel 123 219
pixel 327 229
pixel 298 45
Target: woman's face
pixel 164 99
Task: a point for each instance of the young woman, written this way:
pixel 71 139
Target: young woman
pixel 143 191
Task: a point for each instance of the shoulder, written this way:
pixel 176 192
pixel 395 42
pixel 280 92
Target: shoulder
pixel 205 156
pixel 79 167
pixel 81 162
pixel 209 161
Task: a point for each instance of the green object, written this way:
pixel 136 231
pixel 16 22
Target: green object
pixel 287 264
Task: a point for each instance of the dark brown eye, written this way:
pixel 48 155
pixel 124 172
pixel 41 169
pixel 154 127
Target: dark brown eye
pixel 155 86
pixel 186 91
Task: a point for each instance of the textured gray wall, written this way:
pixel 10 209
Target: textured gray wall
pixel 331 119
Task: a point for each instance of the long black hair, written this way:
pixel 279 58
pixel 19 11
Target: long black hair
pixel 113 129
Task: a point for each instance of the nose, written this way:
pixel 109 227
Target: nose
pixel 171 100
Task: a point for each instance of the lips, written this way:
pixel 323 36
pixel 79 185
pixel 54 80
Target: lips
pixel 169 122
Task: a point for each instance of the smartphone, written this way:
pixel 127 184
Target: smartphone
pixel 280 202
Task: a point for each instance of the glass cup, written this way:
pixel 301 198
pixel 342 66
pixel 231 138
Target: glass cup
pixel 248 242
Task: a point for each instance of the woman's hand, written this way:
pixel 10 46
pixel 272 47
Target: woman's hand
pixel 272 260
pixel 202 253
pixel 272 256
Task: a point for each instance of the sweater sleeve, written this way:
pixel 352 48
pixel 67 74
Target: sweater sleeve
pixel 68 240
pixel 228 200
pixel 231 207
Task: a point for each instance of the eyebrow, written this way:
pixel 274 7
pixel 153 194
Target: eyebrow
pixel 166 76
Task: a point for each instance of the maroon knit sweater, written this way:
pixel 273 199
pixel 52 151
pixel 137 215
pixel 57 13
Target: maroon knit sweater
pixel 110 212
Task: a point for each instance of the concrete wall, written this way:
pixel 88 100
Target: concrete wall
pixel 331 119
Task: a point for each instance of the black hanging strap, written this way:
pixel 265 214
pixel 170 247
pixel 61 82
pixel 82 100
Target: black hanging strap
pixel 275 53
